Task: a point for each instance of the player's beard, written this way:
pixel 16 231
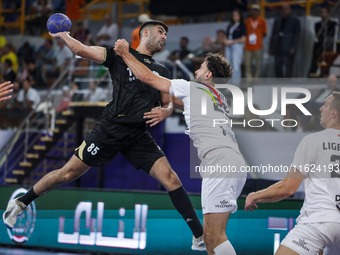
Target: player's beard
pixel 154 46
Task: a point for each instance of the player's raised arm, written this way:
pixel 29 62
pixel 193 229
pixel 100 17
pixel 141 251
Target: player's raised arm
pixel 276 192
pixel 5 89
pixel 139 70
pixel 95 53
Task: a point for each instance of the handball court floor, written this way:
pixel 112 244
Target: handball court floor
pixel 17 251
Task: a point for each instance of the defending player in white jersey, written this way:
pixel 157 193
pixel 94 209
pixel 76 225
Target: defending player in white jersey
pixel 316 161
pixel 216 145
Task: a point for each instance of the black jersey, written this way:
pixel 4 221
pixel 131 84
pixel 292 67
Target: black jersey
pixel 130 97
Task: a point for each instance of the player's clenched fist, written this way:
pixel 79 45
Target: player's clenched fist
pixel 5 89
pixel 121 47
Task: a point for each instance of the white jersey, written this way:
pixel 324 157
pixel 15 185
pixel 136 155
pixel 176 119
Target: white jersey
pixel 209 129
pixel 318 158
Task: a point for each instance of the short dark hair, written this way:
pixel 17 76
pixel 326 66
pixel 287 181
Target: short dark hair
pixel 335 104
pixel 185 38
pixel 8 62
pixel 152 23
pixel 219 66
pixel 326 8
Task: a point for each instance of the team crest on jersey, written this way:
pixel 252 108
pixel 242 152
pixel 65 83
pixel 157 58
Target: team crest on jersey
pixel 25 223
pixel 146 60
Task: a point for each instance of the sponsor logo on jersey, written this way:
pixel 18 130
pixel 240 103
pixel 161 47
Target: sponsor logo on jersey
pixel 301 243
pixel 146 60
pixel 223 204
pixel 24 227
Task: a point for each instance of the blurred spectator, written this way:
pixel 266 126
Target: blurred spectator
pixel 96 94
pixel 256 30
pixel 3 42
pixel 9 54
pixel 65 101
pixel 108 34
pixel 59 6
pixel 324 38
pixel 9 74
pixel 196 58
pixel 27 71
pixel 28 97
pixel 40 12
pixel 62 61
pixel 284 42
pixel 44 56
pixel 25 51
pixel 73 9
pixel 75 95
pixel 82 34
pixel 218 45
pixel 182 52
pixel 236 36
pixel 135 33
pixel 313 106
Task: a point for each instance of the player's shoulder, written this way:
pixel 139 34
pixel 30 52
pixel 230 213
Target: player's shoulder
pixel 321 135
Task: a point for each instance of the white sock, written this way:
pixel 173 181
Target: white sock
pixel 225 248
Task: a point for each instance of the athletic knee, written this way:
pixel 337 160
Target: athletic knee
pixel 211 238
pixel 66 174
pixel 173 182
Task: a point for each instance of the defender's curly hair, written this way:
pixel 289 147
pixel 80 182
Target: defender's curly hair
pixel 219 67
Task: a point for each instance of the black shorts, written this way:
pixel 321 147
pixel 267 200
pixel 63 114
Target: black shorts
pixel 136 145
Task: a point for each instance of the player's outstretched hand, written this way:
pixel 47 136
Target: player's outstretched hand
pixel 156 115
pixel 5 89
pixel 250 202
pixel 121 47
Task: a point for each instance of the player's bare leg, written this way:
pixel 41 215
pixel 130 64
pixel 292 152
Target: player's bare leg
pixel 72 170
pixel 284 250
pixel 163 172
pixel 214 227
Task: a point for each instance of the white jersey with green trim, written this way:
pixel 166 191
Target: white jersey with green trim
pixel 206 114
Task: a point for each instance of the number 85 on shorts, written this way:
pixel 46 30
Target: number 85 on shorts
pixel 93 149
pixel 89 153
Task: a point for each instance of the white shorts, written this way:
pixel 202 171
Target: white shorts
pixel 310 238
pixel 220 195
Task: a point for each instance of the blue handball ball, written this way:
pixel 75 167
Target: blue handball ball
pixel 58 22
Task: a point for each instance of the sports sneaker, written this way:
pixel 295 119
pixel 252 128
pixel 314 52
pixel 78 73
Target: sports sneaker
pixel 198 244
pixel 14 209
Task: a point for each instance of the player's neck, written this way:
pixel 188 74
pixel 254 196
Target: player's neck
pixel 142 49
pixel 333 124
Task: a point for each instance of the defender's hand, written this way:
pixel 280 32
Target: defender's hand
pixel 5 89
pixel 156 115
pixel 250 202
pixel 121 47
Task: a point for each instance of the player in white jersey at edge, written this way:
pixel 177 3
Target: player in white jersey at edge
pixel 316 161
pixel 215 145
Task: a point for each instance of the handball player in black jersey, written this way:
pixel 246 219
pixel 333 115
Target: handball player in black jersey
pixel 122 128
